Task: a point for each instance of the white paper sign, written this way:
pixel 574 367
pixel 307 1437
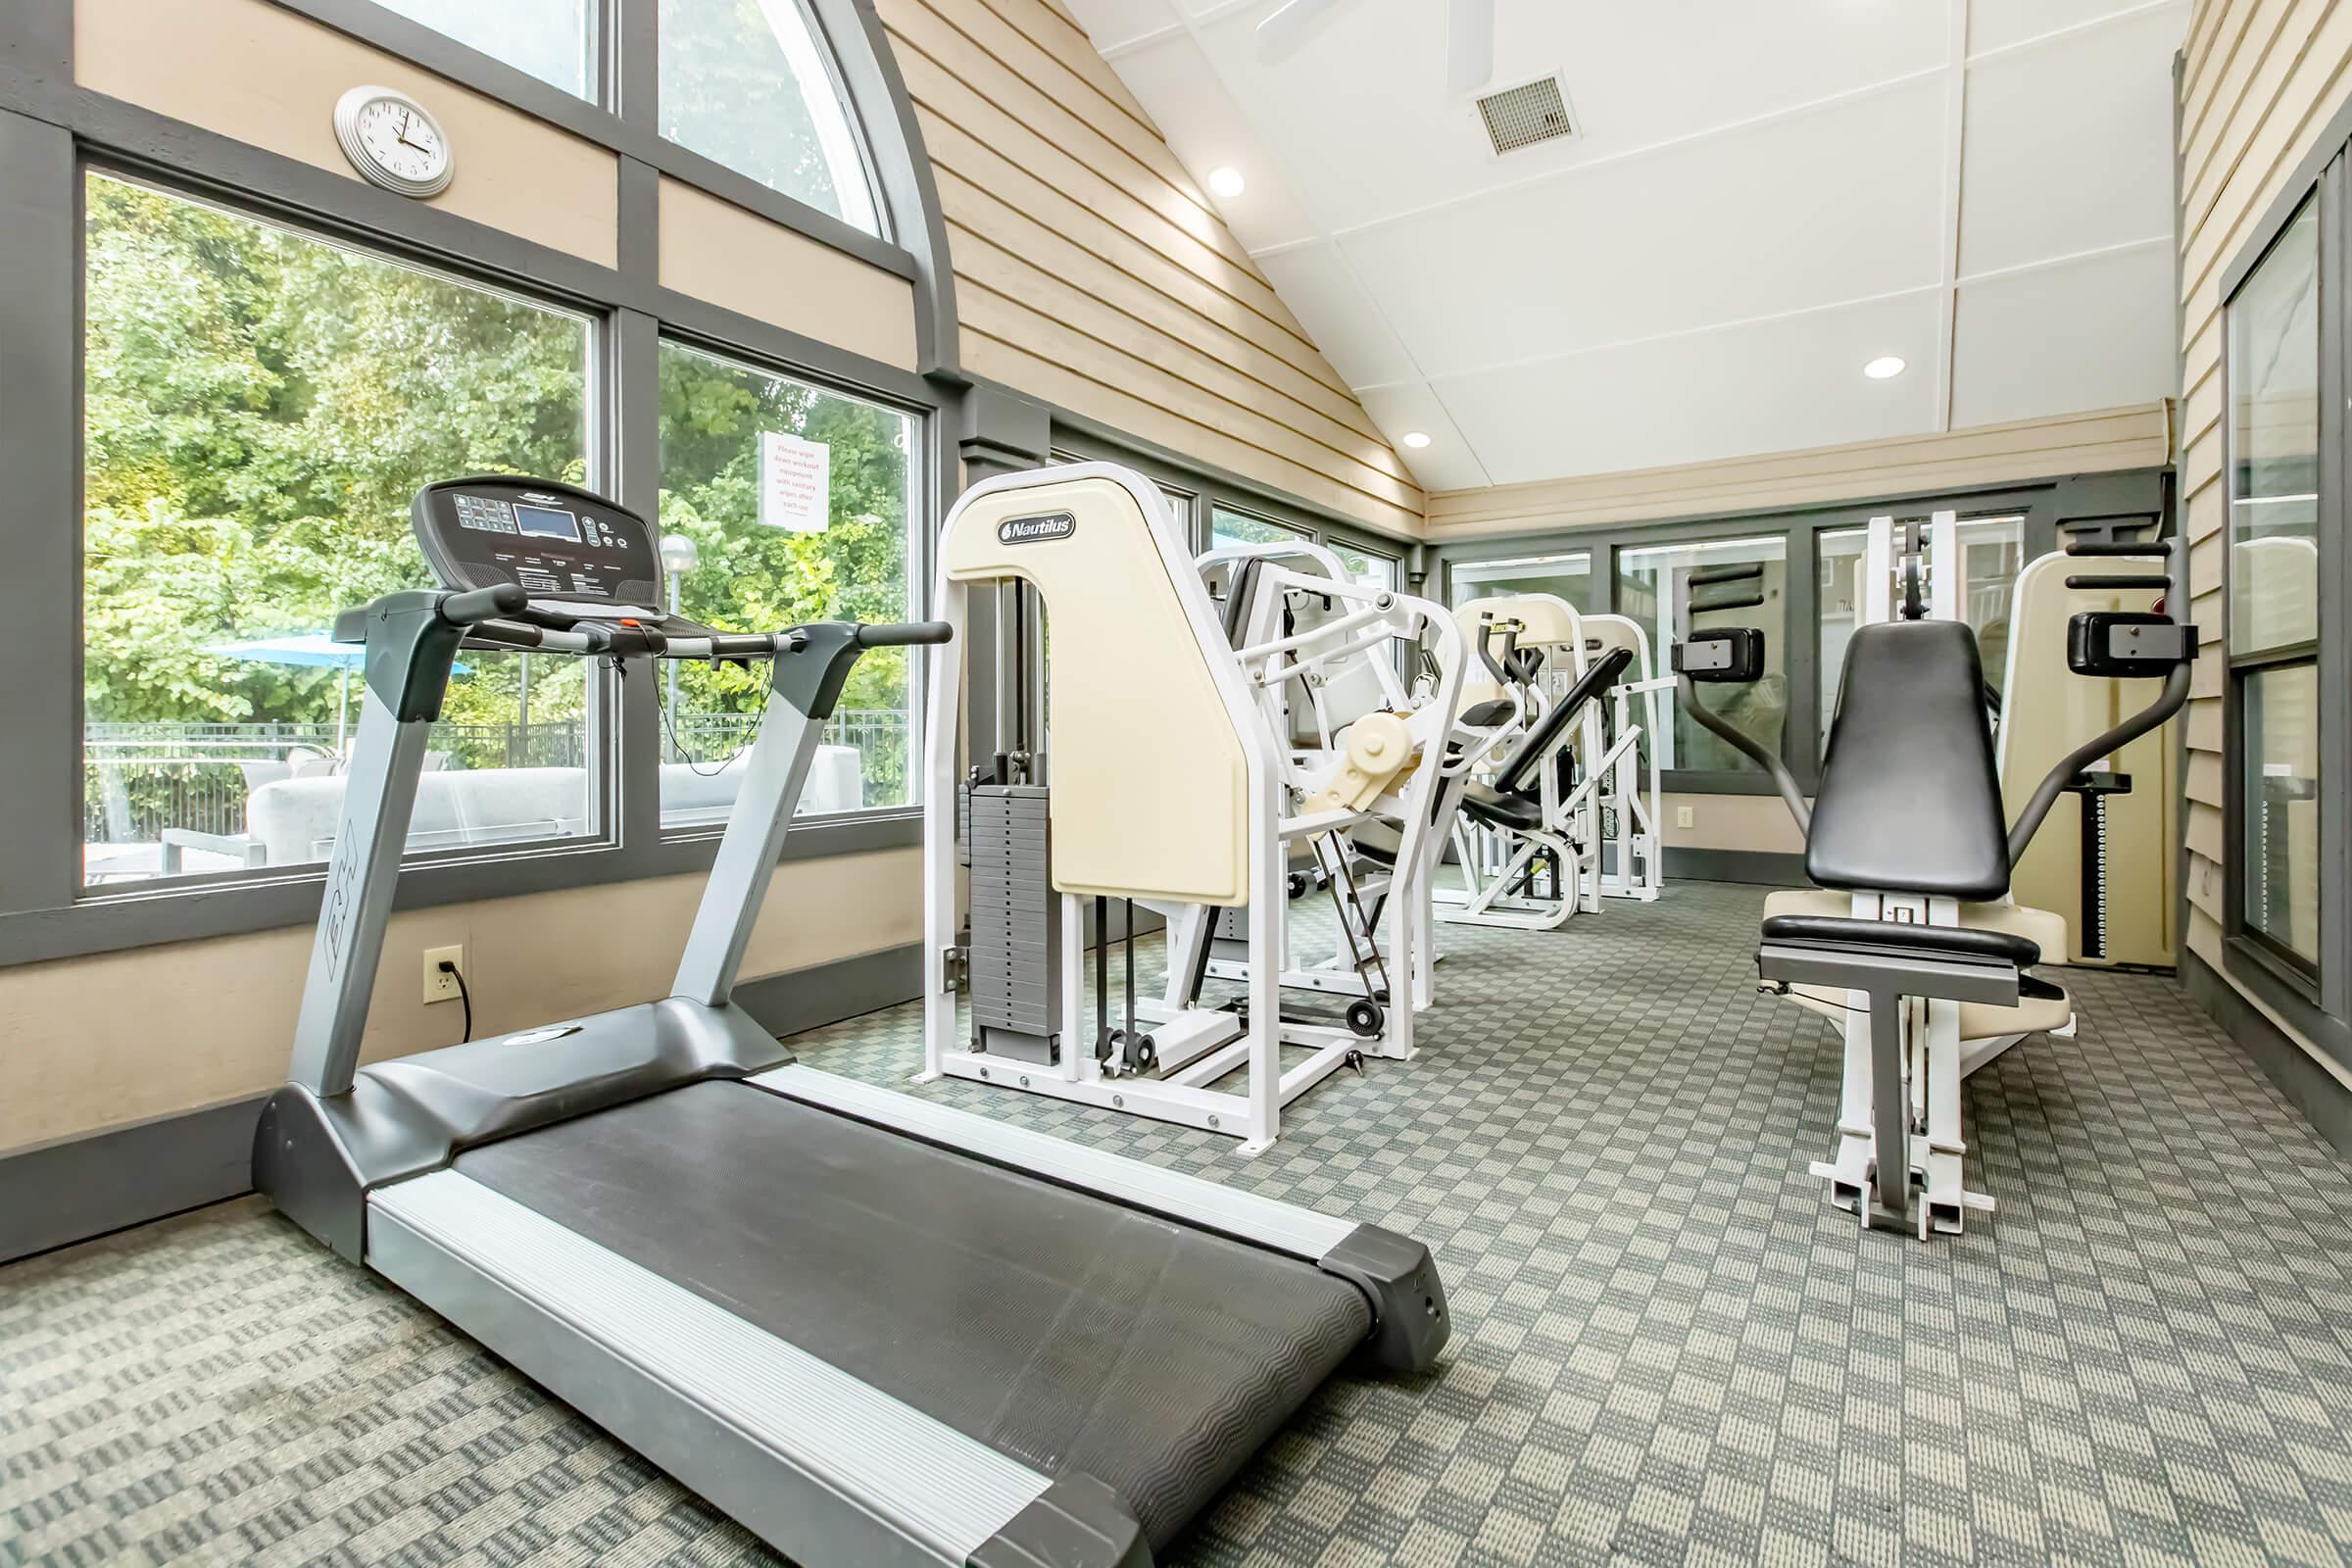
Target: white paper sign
pixel 795 482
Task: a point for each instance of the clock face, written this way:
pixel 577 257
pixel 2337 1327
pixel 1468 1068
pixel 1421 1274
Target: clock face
pixel 393 141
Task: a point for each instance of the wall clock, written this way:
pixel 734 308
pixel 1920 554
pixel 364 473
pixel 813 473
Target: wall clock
pixel 393 141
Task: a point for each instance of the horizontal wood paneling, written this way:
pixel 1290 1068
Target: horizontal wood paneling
pixel 2138 437
pixel 1094 274
pixel 2261 82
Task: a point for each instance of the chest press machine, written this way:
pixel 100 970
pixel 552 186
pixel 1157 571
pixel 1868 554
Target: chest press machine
pixel 1906 844
pixel 1165 774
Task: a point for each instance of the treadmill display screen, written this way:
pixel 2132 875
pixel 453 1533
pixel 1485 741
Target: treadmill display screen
pixel 545 522
pixel 558 542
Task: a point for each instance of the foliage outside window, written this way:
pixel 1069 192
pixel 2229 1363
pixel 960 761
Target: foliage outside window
pixel 747 84
pixel 260 406
pixel 1652 588
pixel 1365 568
pixel 549 38
pixel 762 576
pixel 2274 441
pixel 1228 527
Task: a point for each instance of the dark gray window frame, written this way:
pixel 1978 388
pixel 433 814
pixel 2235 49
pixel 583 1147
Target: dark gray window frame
pixel 52 133
pixel 2092 502
pixel 2317 1003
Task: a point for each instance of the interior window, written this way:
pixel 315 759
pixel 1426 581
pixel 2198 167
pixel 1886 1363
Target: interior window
pixel 1652 588
pixel 1366 568
pixel 2274 565
pixel 260 406
pixel 1566 576
pixel 549 38
pixel 782 502
pixel 746 83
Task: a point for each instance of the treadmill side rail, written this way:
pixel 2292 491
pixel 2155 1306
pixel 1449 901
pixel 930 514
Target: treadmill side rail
pixel 813 1460
pixel 1396 1274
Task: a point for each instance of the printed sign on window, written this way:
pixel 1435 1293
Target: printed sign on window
pixel 795 482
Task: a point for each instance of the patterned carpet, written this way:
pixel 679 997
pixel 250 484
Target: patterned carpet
pixel 1668 1348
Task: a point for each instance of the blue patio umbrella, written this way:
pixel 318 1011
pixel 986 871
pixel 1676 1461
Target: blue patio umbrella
pixel 310 650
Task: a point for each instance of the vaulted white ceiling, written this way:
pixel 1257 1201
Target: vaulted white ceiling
pixel 1761 196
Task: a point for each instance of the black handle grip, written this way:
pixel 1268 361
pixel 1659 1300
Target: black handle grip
pixel 481 604
pixel 2147 549
pixel 741 646
pixel 2094 582
pixel 903 633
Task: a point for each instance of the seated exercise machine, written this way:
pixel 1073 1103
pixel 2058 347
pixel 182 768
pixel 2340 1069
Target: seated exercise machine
pixel 1162 773
pixel 1525 835
pixel 872 1329
pixel 1330 682
pixel 1906 844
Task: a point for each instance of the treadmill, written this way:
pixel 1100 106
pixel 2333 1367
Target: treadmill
pixel 872 1329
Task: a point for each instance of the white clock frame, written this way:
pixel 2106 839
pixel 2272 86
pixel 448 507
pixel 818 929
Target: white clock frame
pixel 347 135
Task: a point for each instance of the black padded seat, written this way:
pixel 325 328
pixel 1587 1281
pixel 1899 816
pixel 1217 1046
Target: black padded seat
pixel 1078 1335
pixel 1489 713
pixel 1960 944
pixel 1521 812
pixel 1910 800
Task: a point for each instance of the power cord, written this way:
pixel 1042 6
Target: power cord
pixel 463 996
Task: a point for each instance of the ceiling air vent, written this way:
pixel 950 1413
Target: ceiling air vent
pixel 1523 115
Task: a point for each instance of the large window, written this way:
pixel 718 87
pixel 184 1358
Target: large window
pixel 1567 575
pixel 1653 588
pixel 1366 568
pixel 549 38
pixel 2274 441
pixel 745 83
pixel 260 406
pixel 737 444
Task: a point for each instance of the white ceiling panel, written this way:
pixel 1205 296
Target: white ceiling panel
pixel 1998 24
pixel 1314 281
pixel 2087 334
pixel 1761 195
pixel 1173 80
pixel 1113 24
pixel 1834 204
pixel 2068 144
pixel 1769 386
pixel 1447 463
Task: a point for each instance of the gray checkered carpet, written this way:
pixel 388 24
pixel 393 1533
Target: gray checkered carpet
pixel 1667 1348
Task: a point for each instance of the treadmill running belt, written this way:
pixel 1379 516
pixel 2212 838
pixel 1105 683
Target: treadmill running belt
pixel 1071 1333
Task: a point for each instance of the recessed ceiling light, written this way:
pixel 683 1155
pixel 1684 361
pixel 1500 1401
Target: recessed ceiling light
pixel 1227 183
pixel 1885 368
pixel 1416 439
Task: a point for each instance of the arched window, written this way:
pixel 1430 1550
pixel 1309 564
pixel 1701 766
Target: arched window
pixel 747 83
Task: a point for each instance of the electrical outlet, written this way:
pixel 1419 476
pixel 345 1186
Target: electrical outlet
pixel 439 987
pixel 1683 817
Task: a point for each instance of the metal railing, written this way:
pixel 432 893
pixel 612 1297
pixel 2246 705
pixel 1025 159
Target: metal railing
pixel 141 778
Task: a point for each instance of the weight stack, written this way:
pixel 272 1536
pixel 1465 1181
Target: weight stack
pixel 1016 962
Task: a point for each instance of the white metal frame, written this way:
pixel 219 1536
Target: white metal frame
pixel 1194 1052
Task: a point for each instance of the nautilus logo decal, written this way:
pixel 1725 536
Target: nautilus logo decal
pixel 1036 530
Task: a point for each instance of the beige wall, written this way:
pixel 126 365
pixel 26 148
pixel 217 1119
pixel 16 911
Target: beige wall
pixel 2260 82
pixel 119 1038
pixel 260 73
pixel 101 1041
pixel 1757 822
pixel 1091 274
pixel 2103 442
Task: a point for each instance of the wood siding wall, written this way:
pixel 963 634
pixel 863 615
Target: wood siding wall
pixel 1092 274
pixel 2260 82
pixel 2101 442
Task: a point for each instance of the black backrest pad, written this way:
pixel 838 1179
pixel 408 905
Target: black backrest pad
pixel 1520 777
pixel 1909 800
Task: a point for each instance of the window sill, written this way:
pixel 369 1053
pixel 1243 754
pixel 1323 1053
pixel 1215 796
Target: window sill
pixel 113 922
pixel 2293 996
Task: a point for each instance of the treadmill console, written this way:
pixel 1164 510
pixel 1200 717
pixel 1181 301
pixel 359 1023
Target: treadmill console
pixel 569 548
